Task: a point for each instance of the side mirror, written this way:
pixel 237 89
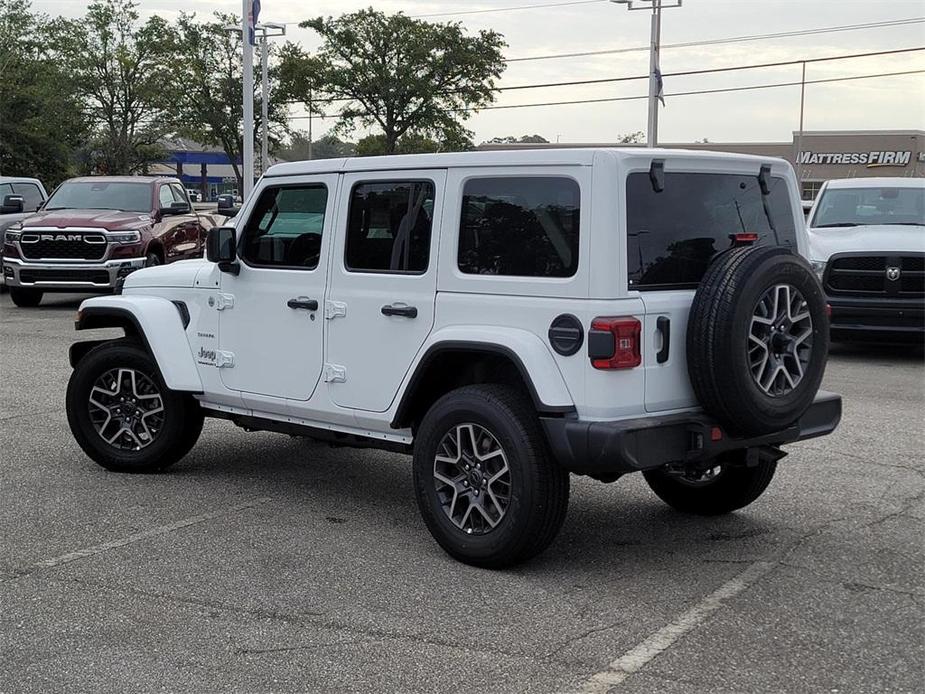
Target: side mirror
pixel 174 208
pixel 227 206
pixel 220 249
pixel 12 204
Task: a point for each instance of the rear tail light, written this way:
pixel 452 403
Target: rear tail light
pixel 613 343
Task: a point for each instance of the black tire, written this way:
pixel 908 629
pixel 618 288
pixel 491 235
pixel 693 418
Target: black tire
pixel 178 433
pixel 735 487
pixel 539 488
pixel 152 259
pixel 26 298
pixel 718 343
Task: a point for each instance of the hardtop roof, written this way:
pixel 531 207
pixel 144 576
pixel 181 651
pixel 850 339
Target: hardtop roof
pixel 579 156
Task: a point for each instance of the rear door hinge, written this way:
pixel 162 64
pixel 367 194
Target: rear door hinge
pixel 334 309
pixel 223 301
pixel 224 360
pixel 335 373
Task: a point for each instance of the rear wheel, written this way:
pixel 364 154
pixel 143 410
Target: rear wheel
pixel 26 298
pixel 123 415
pixel 487 488
pixel 725 487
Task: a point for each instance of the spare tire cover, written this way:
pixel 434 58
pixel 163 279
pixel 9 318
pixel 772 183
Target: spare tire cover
pixel 757 339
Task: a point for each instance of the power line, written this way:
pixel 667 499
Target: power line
pixel 729 68
pixel 753 87
pixel 509 9
pixel 729 39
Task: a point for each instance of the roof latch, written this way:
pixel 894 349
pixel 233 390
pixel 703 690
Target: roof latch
pixel 657 175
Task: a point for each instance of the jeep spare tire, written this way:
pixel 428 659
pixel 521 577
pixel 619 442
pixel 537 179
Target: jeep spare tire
pixel 757 339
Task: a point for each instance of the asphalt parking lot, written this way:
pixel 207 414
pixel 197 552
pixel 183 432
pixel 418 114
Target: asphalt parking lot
pixel 266 563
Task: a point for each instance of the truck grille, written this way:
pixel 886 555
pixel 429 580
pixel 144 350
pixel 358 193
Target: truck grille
pixel 901 276
pixel 94 276
pixel 62 246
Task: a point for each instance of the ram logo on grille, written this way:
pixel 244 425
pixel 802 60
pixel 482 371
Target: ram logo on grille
pixel 61 237
pixel 893 273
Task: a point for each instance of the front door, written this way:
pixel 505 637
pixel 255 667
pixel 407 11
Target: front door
pixel 270 326
pixel 383 283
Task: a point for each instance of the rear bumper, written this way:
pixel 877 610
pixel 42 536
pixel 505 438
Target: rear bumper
pixel 608 448
pixel 64 276
pixel 874 318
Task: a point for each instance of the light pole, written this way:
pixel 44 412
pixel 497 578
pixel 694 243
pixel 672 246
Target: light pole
pixel 248 26
pixel 266 30
pixel 655 75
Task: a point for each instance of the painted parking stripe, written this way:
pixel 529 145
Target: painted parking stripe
pixel 144 535
pixel 640 655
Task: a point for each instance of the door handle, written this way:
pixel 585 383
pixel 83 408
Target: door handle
pixel 399 310
pixel 664 328
pixel 303 302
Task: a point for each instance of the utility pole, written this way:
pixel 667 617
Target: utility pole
pixel 267 31
pixel 800 134
pixel 655 74
pixel 248 35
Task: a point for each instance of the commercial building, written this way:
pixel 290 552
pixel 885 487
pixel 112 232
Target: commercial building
pixel 818 155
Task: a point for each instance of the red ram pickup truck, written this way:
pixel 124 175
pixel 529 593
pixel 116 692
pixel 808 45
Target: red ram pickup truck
pixel 93 231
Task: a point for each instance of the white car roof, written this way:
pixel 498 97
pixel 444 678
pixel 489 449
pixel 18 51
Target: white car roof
pixel 18 179
pixel 877 182
pixel 577 156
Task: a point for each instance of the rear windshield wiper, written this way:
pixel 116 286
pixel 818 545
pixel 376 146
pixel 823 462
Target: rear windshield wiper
pixel 837 224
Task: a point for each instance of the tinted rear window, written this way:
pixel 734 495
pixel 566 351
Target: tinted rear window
pixel 525 227
pixel 673 235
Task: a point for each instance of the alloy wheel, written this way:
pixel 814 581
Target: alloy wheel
pixel 126 409
pixel 472 478
pixel 780 341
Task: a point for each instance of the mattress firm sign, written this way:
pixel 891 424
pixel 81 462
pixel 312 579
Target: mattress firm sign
pixel 868 159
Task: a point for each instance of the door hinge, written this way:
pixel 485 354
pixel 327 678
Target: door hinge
pixel 334 309
pixel 224 360
pixel 335 373
pixel 223 301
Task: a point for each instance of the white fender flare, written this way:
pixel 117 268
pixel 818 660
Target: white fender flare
pixel 158 322
pixel 529 353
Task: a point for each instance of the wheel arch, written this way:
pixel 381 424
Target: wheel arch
pixel 158 323
pixel 454 362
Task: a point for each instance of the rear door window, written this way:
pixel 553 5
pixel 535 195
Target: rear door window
pixel 673 235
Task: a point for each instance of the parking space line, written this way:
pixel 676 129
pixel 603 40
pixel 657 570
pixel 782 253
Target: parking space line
pixel 143 535
pixel 640 655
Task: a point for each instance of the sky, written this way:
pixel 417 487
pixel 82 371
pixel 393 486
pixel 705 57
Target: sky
pixel 768 115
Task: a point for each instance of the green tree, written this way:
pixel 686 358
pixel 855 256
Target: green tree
pixel 118 67
pixel 327 146
pixel 207 86
pixel 397 74
pixel 41 122
pixel 513 140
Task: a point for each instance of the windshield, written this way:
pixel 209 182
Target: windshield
pixel 851 207
pixel 102 195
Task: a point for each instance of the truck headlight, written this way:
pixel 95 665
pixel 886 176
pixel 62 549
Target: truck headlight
pixel 818 268
pixel 124 237
pixel 11 235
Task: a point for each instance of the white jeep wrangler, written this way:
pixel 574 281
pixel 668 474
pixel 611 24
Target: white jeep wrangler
pixel 507 318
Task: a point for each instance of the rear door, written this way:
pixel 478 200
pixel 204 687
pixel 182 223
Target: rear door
pixel 672 237
pixel 380 307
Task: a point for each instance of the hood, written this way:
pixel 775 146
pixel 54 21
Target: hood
pixel 111 220
pixel 887 238
pixel 181 275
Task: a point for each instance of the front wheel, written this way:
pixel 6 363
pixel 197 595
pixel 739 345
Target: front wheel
pixel 123 415
pixel 488 490
pixel 727 486
pixel 26 298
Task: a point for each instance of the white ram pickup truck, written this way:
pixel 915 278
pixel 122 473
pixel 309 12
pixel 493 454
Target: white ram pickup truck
pixel 507 318
pixel 867 244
